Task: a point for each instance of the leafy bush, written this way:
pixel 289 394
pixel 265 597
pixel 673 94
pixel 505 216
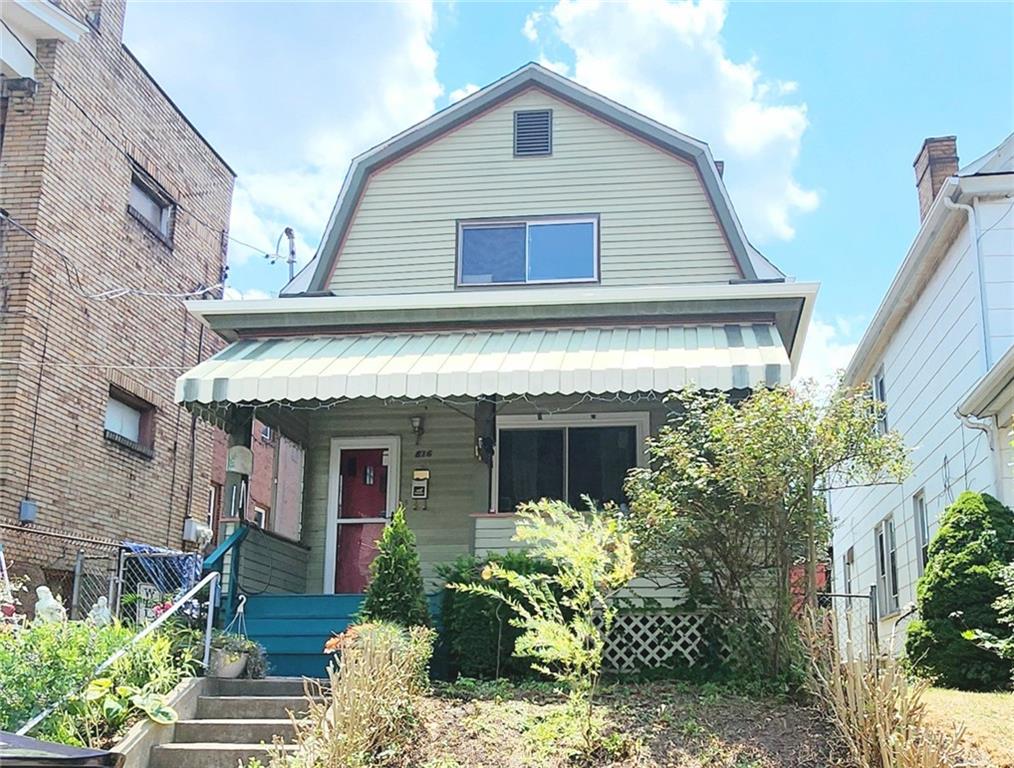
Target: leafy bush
pixel 565 616
pixel 1002 645
pixel 367 711
pixel 41 664
pixel 958 591
pixel 477 628
pixel 395 592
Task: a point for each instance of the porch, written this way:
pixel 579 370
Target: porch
pixel 417 425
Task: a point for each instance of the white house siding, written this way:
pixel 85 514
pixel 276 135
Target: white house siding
pixel 657 225
pixel 930 363
pixel 996 244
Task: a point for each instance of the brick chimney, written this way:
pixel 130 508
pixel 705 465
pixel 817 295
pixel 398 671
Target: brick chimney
pixel 937 160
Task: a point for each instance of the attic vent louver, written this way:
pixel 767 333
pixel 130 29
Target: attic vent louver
pixel 533 132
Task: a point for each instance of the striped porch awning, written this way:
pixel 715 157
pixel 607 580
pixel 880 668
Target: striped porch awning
pixel 474 363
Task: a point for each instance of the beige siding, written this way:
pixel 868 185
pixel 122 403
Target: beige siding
pixel 445 528
pixel 657 224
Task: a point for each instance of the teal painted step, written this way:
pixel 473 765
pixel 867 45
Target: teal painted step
pixel 294 628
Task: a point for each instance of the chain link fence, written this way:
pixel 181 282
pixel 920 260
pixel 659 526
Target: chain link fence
pixel 131 581
pixel 78 570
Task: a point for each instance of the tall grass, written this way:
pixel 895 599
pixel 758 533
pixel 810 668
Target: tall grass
pixel 365 714
pixel 876 709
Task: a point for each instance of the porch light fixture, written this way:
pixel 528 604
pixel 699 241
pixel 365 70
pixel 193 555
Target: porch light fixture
pixel 417 428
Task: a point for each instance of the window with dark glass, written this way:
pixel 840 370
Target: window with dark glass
pixel 519 252
pixel 567 463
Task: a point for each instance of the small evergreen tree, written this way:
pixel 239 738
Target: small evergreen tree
pixel 395 592
pixel 958 591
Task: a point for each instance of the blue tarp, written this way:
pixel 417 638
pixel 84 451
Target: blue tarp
pixel 171 571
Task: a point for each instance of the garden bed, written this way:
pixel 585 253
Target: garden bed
pixel 656 724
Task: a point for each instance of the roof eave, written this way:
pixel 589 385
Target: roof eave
pixel 992 390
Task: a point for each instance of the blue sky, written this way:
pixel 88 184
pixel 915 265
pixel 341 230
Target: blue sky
pixel 818 109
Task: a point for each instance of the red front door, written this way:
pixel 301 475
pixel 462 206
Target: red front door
pixel 363 497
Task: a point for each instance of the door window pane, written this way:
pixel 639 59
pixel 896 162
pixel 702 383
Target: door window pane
pixel 493 254
pixel 597 463
pixel 561 251
pixel 531 466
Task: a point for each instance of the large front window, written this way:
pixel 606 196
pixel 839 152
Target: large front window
pixel 566 459
pixel 557 250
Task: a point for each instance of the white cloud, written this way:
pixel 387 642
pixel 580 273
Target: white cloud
pixel 459 93
pixel 234 294
pixel 668 60
pixel 559 67
pixel 291 114
pixel 531 27
pixel 829 347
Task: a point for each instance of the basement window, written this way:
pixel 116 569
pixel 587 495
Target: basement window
pixel 151 206
pixel 522 252
pixel 130 422
pixel 533 132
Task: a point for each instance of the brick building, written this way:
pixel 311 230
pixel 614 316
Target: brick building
pixel 106 188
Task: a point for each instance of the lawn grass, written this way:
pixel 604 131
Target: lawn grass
pixel 664 724
pixel 988 719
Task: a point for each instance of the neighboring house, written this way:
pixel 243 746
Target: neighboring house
pixel 111 199
pixel 502 297
pixel 275 486
pixel 938 353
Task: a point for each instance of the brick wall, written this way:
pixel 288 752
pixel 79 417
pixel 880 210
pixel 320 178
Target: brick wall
pixel 62 179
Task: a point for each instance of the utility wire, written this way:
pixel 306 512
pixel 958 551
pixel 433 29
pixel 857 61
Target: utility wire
pixel 116 145
pixel 74 276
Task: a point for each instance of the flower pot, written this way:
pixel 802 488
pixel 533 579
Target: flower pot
pixel 226 664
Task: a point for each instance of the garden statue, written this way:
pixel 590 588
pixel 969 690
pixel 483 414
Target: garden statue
pixel 100 615
pixel 48 608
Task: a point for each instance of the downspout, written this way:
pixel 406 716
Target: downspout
pixel 973 231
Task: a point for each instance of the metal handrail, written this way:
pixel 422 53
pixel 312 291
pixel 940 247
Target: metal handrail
pixel 212 578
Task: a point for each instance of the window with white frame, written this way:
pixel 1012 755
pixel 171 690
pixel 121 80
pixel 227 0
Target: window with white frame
pixel 887 566
pixel 260 517
pixel 566 458
pixel 921 529
pixel 267 433
pixel 879 392
pixel 150 205
pixel 524 251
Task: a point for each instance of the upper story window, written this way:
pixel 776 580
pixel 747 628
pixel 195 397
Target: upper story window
pixel 879 392
pixel 151 205
pixel 533 132
pixel 130 421
pixel 519 252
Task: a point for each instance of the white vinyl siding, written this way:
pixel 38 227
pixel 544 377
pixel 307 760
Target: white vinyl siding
pixel 932 360
pixel 657 225
pixel 996 245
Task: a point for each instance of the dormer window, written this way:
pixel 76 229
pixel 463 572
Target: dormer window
pixel 533 132
pixel 521 252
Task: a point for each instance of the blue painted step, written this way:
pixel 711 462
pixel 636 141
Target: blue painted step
pixel 294 628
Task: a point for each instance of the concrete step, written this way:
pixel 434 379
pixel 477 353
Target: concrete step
pixel 249 707
pixel 269 686
pixel 207 755
pixel 233 731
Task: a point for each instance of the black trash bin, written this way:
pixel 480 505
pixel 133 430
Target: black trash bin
pixel 24 752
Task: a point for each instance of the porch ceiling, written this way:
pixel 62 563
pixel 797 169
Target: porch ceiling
pixel 490 362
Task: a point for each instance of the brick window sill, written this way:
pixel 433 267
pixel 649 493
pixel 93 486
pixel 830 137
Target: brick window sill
pixel 150 228
pixel 144 451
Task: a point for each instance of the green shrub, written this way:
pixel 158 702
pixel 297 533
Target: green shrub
pixel 395 592
pixel 958 591
pixel 1002 644
pixel 41 664
pixel 476 628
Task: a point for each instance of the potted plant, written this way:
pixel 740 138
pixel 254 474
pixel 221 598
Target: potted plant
pixel 235 656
